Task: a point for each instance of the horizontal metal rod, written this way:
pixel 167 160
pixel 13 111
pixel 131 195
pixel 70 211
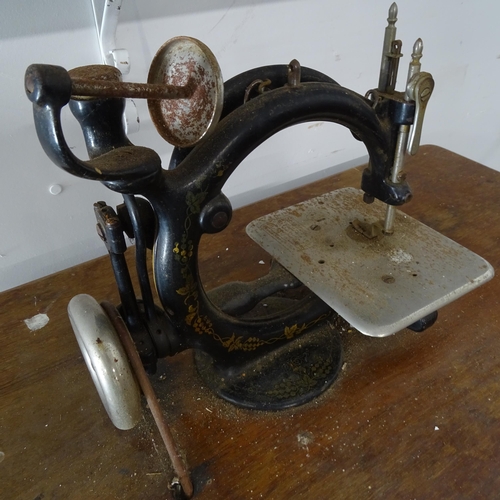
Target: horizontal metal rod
pixel 83 87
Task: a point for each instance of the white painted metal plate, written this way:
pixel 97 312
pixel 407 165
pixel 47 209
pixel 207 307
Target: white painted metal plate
pixel 379 285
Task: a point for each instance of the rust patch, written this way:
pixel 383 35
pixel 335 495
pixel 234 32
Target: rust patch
pixel 183 122
pixel 359 230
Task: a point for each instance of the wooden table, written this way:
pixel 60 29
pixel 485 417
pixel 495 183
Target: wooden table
pixel 414 415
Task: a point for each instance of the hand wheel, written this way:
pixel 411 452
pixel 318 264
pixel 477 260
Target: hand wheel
pixel 106 361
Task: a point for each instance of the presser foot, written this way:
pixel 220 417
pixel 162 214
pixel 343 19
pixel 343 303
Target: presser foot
pixel 289 376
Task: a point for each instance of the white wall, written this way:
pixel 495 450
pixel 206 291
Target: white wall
pixel 42 233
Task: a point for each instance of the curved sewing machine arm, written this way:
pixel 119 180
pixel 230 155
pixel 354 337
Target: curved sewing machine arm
pixel 50 88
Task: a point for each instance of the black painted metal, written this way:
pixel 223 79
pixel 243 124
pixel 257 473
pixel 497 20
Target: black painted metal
pixel 425 322
pixel 140 256
pixel 124 166
pixel 110 230
pixel 187 201
pixel 234 91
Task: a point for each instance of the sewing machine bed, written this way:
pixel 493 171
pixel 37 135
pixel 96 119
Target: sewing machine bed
pixel 380 284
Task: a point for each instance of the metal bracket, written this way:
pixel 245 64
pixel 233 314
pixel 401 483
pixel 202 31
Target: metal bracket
pixel 106 13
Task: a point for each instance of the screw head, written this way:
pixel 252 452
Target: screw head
pixel 219 220
pixel 368 198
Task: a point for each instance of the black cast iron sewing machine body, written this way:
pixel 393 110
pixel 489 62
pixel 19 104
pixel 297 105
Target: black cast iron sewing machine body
pixel 291 353
pixel 186 201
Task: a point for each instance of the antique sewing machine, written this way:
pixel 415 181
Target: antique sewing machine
pixel 346 256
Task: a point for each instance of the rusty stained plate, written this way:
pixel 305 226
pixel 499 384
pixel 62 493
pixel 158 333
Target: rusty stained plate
pixel 183 122
pixel 379 285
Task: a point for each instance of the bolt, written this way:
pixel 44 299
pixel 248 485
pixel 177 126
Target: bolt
pixel 219 220
pixel 294 71
pixel 368 198
pixel 401 176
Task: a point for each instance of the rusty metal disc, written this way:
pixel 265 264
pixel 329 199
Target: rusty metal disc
pixel 183 122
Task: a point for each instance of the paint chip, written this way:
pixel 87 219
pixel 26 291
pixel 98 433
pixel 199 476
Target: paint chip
pixel 399 256
pixel 305 439
pixel 37 322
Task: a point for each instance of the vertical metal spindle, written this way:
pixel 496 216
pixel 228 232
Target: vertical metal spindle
pixel 403 133
pixel 415 66
pixel 389 37
pixel 399 158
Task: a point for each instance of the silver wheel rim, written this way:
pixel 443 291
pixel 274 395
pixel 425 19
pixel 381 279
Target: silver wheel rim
pixel 106 361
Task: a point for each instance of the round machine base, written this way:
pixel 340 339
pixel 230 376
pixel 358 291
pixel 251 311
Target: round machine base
pixel 289 376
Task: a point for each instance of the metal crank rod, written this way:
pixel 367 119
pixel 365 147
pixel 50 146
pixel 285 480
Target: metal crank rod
pixel 93 84
pixel 83 87
pixel 184 91
pixel 152 400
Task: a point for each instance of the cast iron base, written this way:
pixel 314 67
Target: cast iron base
pixel 288 376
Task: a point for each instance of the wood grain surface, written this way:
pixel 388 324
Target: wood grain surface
pixel 412 416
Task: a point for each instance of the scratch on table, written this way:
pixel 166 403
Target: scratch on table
pixel 52 302
pixel 305 439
